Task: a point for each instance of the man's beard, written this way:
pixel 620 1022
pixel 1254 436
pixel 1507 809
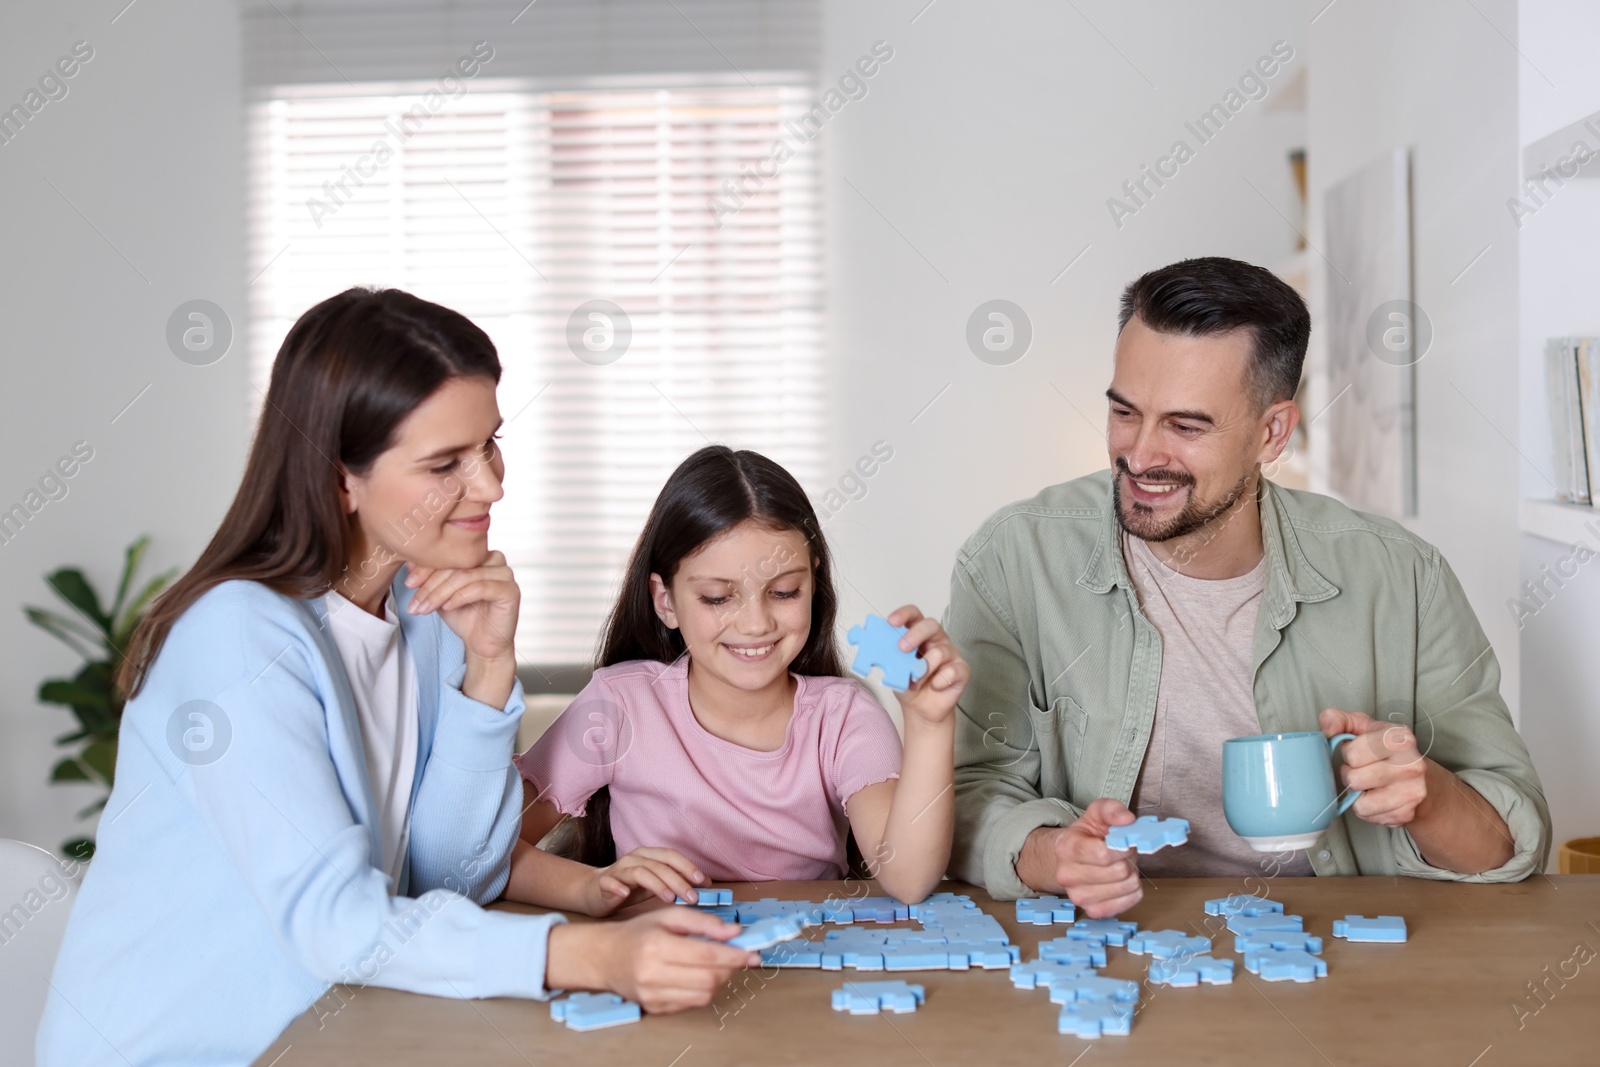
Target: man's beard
pixel 1139 519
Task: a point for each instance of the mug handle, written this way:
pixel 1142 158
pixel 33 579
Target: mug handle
pixel 1333 746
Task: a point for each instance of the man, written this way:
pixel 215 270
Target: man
pixel 1121 626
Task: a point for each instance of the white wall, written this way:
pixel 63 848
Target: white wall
pixel 977 167
pixel 1436 77
pixel 146 146
pixel 1559 83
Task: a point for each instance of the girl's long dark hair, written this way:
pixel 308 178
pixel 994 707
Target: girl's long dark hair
pixel 348 373
pixel 711 492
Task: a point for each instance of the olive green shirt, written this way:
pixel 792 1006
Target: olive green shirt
pixel 1358 613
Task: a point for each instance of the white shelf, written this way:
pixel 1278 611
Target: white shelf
pixel 1565 524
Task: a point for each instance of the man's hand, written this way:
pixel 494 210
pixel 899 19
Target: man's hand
pixel 1383 762
pixel 1075 861
pixel 1450 822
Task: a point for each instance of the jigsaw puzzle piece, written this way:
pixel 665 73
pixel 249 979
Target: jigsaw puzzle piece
pixel 764 933
pixel 878 645
pixel 1243 904
pixel 1042 911
pixel 1167 944
pixel 1282 940
pixel 1250 925
pixel 1036 974
pixel 1386 928
pixel 1069 951
pixel 1297 965
pixel 1093 987
pixel 1091 1019
pixel 593 1011
pixel 1102 931
pixel 1182 973
pixel 869 998
pixel 1148 834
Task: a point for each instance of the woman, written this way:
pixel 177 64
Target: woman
pixel 314 781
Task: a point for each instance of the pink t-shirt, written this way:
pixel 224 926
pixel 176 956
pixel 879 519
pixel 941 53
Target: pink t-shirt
pixel 737 813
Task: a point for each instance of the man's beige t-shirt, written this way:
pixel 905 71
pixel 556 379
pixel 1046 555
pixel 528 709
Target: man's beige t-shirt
pixel 1206 696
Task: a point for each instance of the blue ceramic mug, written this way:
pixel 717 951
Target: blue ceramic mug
pixel 1278 789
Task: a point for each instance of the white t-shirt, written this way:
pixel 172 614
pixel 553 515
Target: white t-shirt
pixel 384 681
pixel 1206 695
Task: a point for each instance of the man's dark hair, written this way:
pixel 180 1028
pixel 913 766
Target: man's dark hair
pixel 1212 295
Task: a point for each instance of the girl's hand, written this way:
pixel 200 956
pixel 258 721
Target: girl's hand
pixel 933 698
pixel 662 872
pixel 648 959
pixel 480 604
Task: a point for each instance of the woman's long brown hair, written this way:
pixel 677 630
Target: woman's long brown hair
pixel 349 372
pixel 710 493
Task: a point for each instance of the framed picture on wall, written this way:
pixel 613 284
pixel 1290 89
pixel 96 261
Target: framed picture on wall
pixel 1372 339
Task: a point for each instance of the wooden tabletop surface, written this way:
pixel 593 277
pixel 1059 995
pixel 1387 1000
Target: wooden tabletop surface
pixel 1457 994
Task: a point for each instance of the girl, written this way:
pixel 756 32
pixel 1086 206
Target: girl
pixel 719 740
pixel 311 783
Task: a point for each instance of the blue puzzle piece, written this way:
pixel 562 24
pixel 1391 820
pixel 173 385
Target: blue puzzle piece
pixel 1068 950
pixel 878 645
pixel 1092 1019
pixel 879 910
pixel 708 898
pixel 1093 987
pixel 1249 925
pixel 1102 931
pixel 750 911
pixel 797 953
pixel 1148 834
pixel 764 933
pixel 1243 904
pixel 1282 940
pixel 931 958
pixel 980 928
pixel 1168 944
pixel 986 954
pixel 1390 928
pixel 593 1011
pixel 943 902
pixel 1295 965
pixel 1183 973
pixel 1037 973
pixel 869 998
pixel 1042 911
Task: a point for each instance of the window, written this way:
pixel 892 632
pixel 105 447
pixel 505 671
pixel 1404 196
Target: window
pixel 515 206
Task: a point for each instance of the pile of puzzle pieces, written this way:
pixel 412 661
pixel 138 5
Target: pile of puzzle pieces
pixel 1275 947
pixel 955 934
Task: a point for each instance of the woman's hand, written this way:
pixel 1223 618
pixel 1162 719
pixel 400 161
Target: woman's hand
pixel 656 960
pixel 644 872
pixel 933 698
pixel 480 604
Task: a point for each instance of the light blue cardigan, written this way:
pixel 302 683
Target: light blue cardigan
pixel 225 897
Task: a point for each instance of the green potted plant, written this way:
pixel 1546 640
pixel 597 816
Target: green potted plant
pixel 99 636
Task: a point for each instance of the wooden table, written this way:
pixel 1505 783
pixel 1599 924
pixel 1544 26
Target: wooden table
pixel 1448 996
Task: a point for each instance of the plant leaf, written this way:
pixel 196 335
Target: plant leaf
pixel 70 585
pixel 79 848
pixel 101 757
pixel 92 808
pixel 64 630
pixel 76 735
pixel 129 620
pixel 129 567
pixel 75 694
pixel 69 770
